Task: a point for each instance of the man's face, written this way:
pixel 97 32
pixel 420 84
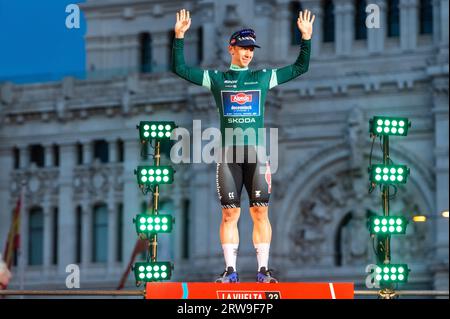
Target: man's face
pixel 241 56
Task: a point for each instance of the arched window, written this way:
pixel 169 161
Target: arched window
pixel 360 20
pixel 101 151
pixel 37 155
pixel 295 7
pixel 186 220
pixel 36 236
pixel 199 45
pixel 145 50
pixel 100 251
pixel 328 20
pixel 338 243
pixel 393 17
pixel 426 16
pixel 16 156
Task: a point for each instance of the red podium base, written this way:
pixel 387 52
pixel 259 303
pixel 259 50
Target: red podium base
pixel 286 290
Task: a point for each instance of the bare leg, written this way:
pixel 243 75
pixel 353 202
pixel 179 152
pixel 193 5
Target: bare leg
pixel 262 230
pixel 229 233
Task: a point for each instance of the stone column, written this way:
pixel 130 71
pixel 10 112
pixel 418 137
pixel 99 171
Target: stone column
pixel 86 234
pixel 345 26
pixel 376 37
pixel 112 233
pixel 160 47
pixel 281 41
pixel 7 165
pixel 48 150
pixel 408 24
pixel 48 236
pixel 131 199
pixel 112 150
pixel 443 25
pixel 209 33
pixel 66 218
pixel 24 154
pixel 87 153
pixel 316 9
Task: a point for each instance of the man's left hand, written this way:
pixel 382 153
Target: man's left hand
pixel 305 24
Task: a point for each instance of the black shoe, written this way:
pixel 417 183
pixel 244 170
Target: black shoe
pixel 228 276
pixel 265 276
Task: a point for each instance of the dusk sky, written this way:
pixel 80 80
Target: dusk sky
pixel 36 45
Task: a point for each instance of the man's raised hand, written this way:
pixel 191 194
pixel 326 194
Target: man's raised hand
pixel 305 24
pixel 183 23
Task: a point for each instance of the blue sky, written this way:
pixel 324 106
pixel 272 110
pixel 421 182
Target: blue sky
pixel 36 46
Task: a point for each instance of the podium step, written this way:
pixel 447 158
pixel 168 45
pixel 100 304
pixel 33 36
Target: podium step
pixel 286 290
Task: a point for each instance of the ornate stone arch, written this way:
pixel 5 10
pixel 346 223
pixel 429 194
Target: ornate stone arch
pixel 325 182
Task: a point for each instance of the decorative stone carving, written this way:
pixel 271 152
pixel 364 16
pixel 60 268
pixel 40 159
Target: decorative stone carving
pixel 319 218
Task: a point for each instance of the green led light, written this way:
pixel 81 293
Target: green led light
pixel 152 271
pixel 388 174
pixel 153 175
pixel 392 273
pixel 387 225
pixel 161 223
pixel 155 130
pixel 381 125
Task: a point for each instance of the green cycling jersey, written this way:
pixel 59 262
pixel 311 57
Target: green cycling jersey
pixel 240 93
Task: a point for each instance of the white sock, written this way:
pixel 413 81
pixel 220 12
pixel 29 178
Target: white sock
pixel 262 254
pixel 230 254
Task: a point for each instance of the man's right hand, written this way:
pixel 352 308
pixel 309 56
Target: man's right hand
pixel 183 23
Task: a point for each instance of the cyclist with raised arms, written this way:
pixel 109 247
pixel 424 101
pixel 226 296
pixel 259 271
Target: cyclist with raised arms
pixel 240 95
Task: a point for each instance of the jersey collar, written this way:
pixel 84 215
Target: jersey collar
pixel 235 67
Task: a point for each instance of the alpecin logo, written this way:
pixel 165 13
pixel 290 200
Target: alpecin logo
pixel 241 98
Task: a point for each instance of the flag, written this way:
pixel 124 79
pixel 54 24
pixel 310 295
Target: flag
pixel 141 245
pixel 13 241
